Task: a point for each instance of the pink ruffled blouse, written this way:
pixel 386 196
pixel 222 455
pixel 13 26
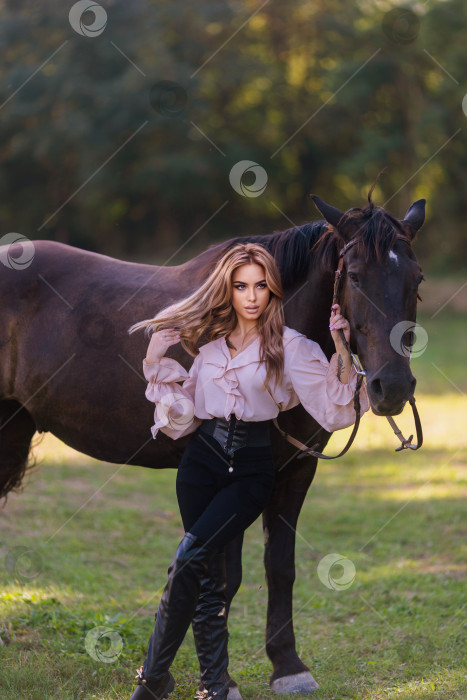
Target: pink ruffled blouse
pixel 218 385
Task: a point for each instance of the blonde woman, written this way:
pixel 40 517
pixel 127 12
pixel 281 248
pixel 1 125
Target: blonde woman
pixel 251 368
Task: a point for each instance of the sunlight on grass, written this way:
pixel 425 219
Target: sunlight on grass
pixel 54 451
pixel 106 537
pixel 34 593
pixel 421 689
pixel 424 492
pixel 20 598
pixel 443 421
pixel 429 564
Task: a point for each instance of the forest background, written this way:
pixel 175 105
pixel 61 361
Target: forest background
pixel 120 125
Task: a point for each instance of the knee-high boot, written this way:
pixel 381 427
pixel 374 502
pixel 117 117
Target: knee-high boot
pixel 210 632
pixel 173 617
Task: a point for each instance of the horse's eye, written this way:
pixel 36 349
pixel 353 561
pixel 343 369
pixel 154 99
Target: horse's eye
pixel 354 278
pixel 418 281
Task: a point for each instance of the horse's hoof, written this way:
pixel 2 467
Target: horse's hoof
pixel 297 683
pixel 234 693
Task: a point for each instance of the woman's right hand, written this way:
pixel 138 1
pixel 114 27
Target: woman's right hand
pixel 160 342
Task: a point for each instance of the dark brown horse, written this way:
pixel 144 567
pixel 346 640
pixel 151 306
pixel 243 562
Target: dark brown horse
pixel 70 367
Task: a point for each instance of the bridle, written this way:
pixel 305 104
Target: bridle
pixel 406 443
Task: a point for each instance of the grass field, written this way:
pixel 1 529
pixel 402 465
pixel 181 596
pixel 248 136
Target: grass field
pixel 103 536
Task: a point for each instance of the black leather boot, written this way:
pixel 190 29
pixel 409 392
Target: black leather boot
pixel 174 614
pixel 153 690
pixel 210 632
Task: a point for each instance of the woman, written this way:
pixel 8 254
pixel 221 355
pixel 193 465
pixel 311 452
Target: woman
pixel 228 400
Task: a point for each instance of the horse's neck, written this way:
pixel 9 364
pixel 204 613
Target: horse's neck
pixel 307 307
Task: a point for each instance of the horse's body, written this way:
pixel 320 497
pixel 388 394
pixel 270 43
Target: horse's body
pixel 69 366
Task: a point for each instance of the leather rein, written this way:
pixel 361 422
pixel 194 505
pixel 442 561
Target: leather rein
pixel 406 443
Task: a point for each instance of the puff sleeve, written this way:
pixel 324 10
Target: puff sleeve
pixel 315 382
pixel 174 414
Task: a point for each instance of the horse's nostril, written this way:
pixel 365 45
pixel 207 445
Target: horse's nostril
pixel 377 389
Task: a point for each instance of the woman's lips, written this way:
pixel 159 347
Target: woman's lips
pixel 252 310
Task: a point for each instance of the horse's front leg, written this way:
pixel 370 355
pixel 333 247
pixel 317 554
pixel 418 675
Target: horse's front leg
pixel 280 517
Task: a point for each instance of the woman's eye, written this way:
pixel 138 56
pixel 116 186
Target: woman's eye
pixel 240 286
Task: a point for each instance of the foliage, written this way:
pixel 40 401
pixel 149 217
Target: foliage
pixel 96 153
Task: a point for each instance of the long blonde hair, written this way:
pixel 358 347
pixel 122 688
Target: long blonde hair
pixel 209 309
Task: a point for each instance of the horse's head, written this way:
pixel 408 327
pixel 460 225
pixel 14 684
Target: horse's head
pixel 378 295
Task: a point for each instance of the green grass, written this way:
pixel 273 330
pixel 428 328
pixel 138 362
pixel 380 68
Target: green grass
pixel 104 536
pixel 441 368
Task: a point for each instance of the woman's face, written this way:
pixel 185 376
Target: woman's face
pixel 249 289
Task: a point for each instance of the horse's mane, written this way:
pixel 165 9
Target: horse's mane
pixel 296 248
pixel 290 248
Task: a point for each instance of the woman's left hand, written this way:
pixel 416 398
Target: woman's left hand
pixel 337 321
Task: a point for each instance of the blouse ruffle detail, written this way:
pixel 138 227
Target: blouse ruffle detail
pixel 174 404
pixel 163 371
pixel 227 380
pixel 218 385
pixel 173 410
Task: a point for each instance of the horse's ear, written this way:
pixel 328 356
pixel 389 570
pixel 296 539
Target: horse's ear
pixel 333 216
pixel 415 216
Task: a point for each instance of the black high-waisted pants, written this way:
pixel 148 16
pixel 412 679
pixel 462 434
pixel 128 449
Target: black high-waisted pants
pixel 217 504
pixel 219 496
